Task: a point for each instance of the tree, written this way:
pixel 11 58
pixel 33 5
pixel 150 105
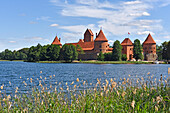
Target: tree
pixel 8 55
pixel 107 56
pixel 117 51
pixel 168 50
pixel 100 56
pixel 68 53
pixel 53 52
pixel 137 50
pixel 124 57
pixel 79 49
pixel 159 52
pixel 165 50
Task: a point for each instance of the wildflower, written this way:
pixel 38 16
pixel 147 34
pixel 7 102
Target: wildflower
pixel 84 92
pixel 148 73
pixel 2 87
pixel 133 104
pixel 107 81
pixel 20 77
pixel 45 78
pixel 123 94
pixel 4 99
pixel 15 96
pixel 77 80
pixel 165 81
pixel 84 82
pixel 113 84
pixel 129 75
pixel 41 77
pixel 53 75
pixel 134 92
pixel 72 83
pixel 8 97
pixel 67 88
pixel 40 71
pixel 74 86
pixel 111 80
pixel 101 93
pixel 48 92
pixel 9 82
pixel 66 83
pixel 117 92
pixel 50 86
pixel 61 88
pixel 105 73
pixel 90 83
pixel 50 76
pixel 158 99
pixel 156 108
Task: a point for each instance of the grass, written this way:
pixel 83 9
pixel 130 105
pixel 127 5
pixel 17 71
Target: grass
pixel 117 62
pixel 127 95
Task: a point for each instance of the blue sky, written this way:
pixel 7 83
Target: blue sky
pixel 25 23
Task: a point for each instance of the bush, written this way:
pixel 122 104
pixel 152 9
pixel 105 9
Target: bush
pixel 100 56
pixel 124 57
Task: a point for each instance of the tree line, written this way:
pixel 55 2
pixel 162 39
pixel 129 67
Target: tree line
pixel 43 53
pixel 70 53
pixel 163 52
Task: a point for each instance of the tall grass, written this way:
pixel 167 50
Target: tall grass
pixel 126 95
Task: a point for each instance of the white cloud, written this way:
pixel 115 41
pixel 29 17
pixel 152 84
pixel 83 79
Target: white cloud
pixel 146 33
pixel 12 41
pixel 54 25
pixel 133 2
pixel 111 42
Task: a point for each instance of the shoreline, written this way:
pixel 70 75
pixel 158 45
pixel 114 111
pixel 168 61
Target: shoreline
pixel 94 62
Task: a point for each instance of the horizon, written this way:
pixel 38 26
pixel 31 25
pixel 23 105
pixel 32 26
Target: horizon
pixel 27 23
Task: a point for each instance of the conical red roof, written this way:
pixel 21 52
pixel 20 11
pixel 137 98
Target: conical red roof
pixel 149 40
pixel 89 30
pixel 101 37
pixel 56 41
pixel 127 41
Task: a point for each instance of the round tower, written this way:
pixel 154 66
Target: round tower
pixel 101 43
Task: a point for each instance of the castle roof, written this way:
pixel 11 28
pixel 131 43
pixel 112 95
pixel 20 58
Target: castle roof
pixel 90 31
pixel 149 40
pixel 56 41
pixel 84 45
pixel 101 37
pixel 127 42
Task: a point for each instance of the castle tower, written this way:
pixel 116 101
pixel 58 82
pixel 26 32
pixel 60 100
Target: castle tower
pixel 149 49
pixel 101 43
pixel 127 48
pixel 88 36
pixel 57 41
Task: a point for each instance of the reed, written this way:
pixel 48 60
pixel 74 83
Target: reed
pixel 126 95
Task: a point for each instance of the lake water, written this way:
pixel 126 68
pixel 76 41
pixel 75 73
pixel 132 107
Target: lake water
pixel 17 72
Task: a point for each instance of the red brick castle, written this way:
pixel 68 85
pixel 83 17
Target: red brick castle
pixel 93 47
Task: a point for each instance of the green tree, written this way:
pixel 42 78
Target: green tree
pixel 117 51
pixel 165 50
pixel 68 53
pixel 137 50
pixel 100 56
pixel 8 55
pixel 53 52
pixel 108 56
pixel 79 49
pixel 159 52
pixel 124 57
pixel 168 50
pixel 34 53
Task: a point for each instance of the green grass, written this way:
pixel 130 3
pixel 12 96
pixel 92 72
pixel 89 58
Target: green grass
pixel 117 62
pixel 109 97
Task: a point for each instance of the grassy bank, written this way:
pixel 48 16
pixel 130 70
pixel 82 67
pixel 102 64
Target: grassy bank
pixel 117 62
pixel 79 96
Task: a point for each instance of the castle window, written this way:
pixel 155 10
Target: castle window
pixel 100 46
pixel 151 51
pixel 145 47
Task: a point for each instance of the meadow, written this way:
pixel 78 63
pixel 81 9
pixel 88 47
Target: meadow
pixel 125 95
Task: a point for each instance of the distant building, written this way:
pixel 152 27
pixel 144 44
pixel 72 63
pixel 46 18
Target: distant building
pixel 90 46
pixel 93 47
pixel 127 48
pixel 149 49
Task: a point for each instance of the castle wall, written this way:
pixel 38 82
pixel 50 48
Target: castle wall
pixel 88 56
pixel 149 49
pixel 101 46
pixel 128 50
pixel 88 37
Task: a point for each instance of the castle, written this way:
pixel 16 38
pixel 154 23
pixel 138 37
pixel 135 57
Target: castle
pixel 93 47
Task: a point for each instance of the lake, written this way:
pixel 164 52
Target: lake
pixel 12 74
